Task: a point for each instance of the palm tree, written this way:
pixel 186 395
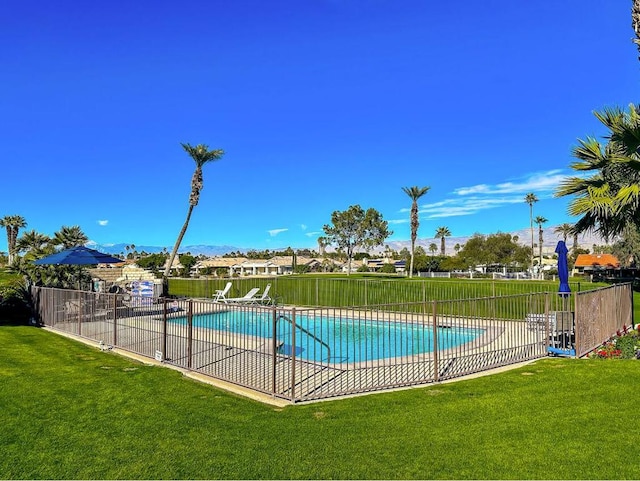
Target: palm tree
pixel 635 22
pixel 540 220
pixel 531 199
pixel 609 200
pixel 415 193
pixel 457 248
pixel 201 155
pixel 13 224
pixel 68 237
pixel 565 229
pixel 322 243
pixel 34 244
pixel 433 248
pixel 441 233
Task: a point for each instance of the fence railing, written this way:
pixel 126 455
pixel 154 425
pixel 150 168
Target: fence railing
pixel 313 353
pixel 319 291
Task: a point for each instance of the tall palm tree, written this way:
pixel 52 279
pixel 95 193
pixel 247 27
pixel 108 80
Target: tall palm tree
pixel 441 233
pixel 201 155
pixel 540 220
pixel 13 224
pixel 531 199
pixel 68 237
pixel 609 200
pixel 415 193
pixel 565 229
pixel 635 22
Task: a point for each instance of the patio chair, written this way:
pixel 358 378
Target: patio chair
pixel 264 298
pixel 220 295
pixel 248 298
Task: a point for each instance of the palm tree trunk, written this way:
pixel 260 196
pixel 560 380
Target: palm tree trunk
pixel 531 223
pixel 540 247
pixel 9 249
pixel 174 252
pixel 413 244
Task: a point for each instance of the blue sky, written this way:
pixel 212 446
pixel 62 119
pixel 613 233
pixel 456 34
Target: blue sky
pixel 318 104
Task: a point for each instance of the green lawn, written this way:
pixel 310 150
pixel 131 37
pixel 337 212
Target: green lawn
pixel 69 411
pixel 359 290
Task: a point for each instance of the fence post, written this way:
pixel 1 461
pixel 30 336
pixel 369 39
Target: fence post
pixel 547 316
pixel 274 347
pixel 293 354
pixel 115 319
pixel 577 327
pixel 366 301
pixel 633 325
pixel 436 373
pixel 164 328
pixel 189 332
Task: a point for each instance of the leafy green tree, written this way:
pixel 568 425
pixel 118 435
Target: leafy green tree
pixel 422 259
pixel 356 228
pixel 68 237
pixel 497 249
pixel 627 248
pixel 414 193
pixel 153 261
pixel 187 261
pixel 13 224
pixel 201 155
pixel 388 268
pixel 441 233
pixel 531 199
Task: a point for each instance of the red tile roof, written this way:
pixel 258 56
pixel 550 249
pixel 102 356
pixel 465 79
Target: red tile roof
pixel 604 260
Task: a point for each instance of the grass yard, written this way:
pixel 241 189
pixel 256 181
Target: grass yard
pixel 70 411
pixel 359 290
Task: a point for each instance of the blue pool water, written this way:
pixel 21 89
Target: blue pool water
pixel 337 340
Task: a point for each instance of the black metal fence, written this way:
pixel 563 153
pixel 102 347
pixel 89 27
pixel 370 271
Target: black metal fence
pixel 302 354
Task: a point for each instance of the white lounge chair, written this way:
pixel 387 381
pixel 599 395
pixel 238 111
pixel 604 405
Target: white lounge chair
pixel 264 298
pixel 220 295
pixel 248 298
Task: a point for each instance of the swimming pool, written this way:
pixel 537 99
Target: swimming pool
pixel 337 340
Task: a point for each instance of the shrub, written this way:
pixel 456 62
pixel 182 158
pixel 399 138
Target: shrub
pixel 15 306
pixel 388 269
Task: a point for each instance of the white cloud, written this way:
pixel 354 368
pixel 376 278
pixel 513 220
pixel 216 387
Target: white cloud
pixel 103 222
pixel 275 232
pixel 303 226
pixel 312 234
pixel 476 198
pixel 398 221
pixel 537 182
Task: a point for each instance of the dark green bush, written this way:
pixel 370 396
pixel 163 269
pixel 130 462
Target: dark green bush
pixel 15 306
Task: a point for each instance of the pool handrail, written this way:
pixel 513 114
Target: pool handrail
pixel 310 334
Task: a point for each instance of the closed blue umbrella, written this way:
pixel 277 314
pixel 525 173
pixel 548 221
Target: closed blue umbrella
pixel 78 256
pixel 563 268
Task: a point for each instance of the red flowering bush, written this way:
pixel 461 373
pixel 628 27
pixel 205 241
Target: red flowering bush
pixel 624 345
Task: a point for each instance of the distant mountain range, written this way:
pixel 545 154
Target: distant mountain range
pixel 195 250
pixel 550 240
